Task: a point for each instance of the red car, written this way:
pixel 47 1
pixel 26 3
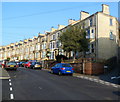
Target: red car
pixel 11 65
pixel 27 64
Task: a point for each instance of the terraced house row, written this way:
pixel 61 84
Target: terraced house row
pixel 102 30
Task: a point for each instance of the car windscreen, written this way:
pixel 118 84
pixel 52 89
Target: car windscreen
pixel 66 65
pixel 37 63
pixel 11 63
pixel 33 63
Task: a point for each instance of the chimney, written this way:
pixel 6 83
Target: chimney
pixel 52 29
pixel 60 26
pixel 105 9
pixel 70 21
pixel 84 15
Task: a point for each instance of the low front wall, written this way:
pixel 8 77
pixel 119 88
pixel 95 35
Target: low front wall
pixel 93 68
pixel 77 67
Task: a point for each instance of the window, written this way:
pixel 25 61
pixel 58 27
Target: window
pixel 52 55
pixel 92 31
pixel 92 35
pixel 43 54
pixel 38 39
pixel 111 35
pixel 36 55
pixel 42 46
pixel 58 34
pixel 53 44
pixel 38 47
pixel 50 45
pixel 57 44
pixel 91 21
pixel 111 23
pixel 53 37
pixel 92 48
pixel 88 34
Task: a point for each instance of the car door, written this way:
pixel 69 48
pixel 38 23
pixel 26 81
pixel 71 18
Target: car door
pixel 54 68
pixel 57 68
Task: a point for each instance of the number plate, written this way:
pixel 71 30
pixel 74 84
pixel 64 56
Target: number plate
pixel 68 71
pixel 11 65
pixel 37 65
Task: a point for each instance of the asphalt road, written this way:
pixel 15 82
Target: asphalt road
pixel 29 84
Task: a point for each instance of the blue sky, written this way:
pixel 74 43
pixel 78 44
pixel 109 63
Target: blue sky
pixel 23 20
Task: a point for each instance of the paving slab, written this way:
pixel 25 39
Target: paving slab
pixel 4 74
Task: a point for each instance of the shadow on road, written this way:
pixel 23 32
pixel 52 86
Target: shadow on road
pixel 116 93
pixel 111 76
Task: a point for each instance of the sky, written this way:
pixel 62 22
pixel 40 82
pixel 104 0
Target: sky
pixel 23 20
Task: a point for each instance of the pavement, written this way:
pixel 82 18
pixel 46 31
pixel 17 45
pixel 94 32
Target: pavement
pixel 4 74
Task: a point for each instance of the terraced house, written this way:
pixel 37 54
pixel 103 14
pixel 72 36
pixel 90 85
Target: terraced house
pixel 102 30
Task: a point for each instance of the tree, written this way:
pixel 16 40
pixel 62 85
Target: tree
pixel 74 39
pixel 8 58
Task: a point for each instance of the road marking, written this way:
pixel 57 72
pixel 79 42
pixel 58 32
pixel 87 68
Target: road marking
pixel 99 81
pixel 80 76
pixel 9 79
pixel 11 96
pixel 115 86
pixel 40 88
pixel 11 89
pixel 89 78
pixel 102 82
pixel 85 77
pixel 115 77
pixel 96 81
pixel 107 83
pixel 10 84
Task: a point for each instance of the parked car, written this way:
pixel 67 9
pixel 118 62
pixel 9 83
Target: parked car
pixel 0 63
pixel 11 65
pixel 62 68
pixel 27 64
pixel 21 64
pixel 36 65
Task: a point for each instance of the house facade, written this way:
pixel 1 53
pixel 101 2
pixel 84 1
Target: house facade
pixel 102 29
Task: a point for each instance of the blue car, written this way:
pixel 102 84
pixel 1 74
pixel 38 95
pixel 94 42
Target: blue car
pixel 62 68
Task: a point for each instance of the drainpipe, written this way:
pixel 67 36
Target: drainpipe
pixel 96 38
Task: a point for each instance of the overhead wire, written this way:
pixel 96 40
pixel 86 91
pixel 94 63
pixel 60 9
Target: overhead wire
pixel 46 12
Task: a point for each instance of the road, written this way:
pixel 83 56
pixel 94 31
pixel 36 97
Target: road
pixel 29 84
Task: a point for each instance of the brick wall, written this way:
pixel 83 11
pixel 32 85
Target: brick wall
pixel 93 68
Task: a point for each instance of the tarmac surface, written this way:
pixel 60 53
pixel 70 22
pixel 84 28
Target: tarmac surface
pixel 35 84
pixel 111 78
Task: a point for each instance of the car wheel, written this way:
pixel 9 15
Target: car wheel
pixel 59 73
pixel 52 72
